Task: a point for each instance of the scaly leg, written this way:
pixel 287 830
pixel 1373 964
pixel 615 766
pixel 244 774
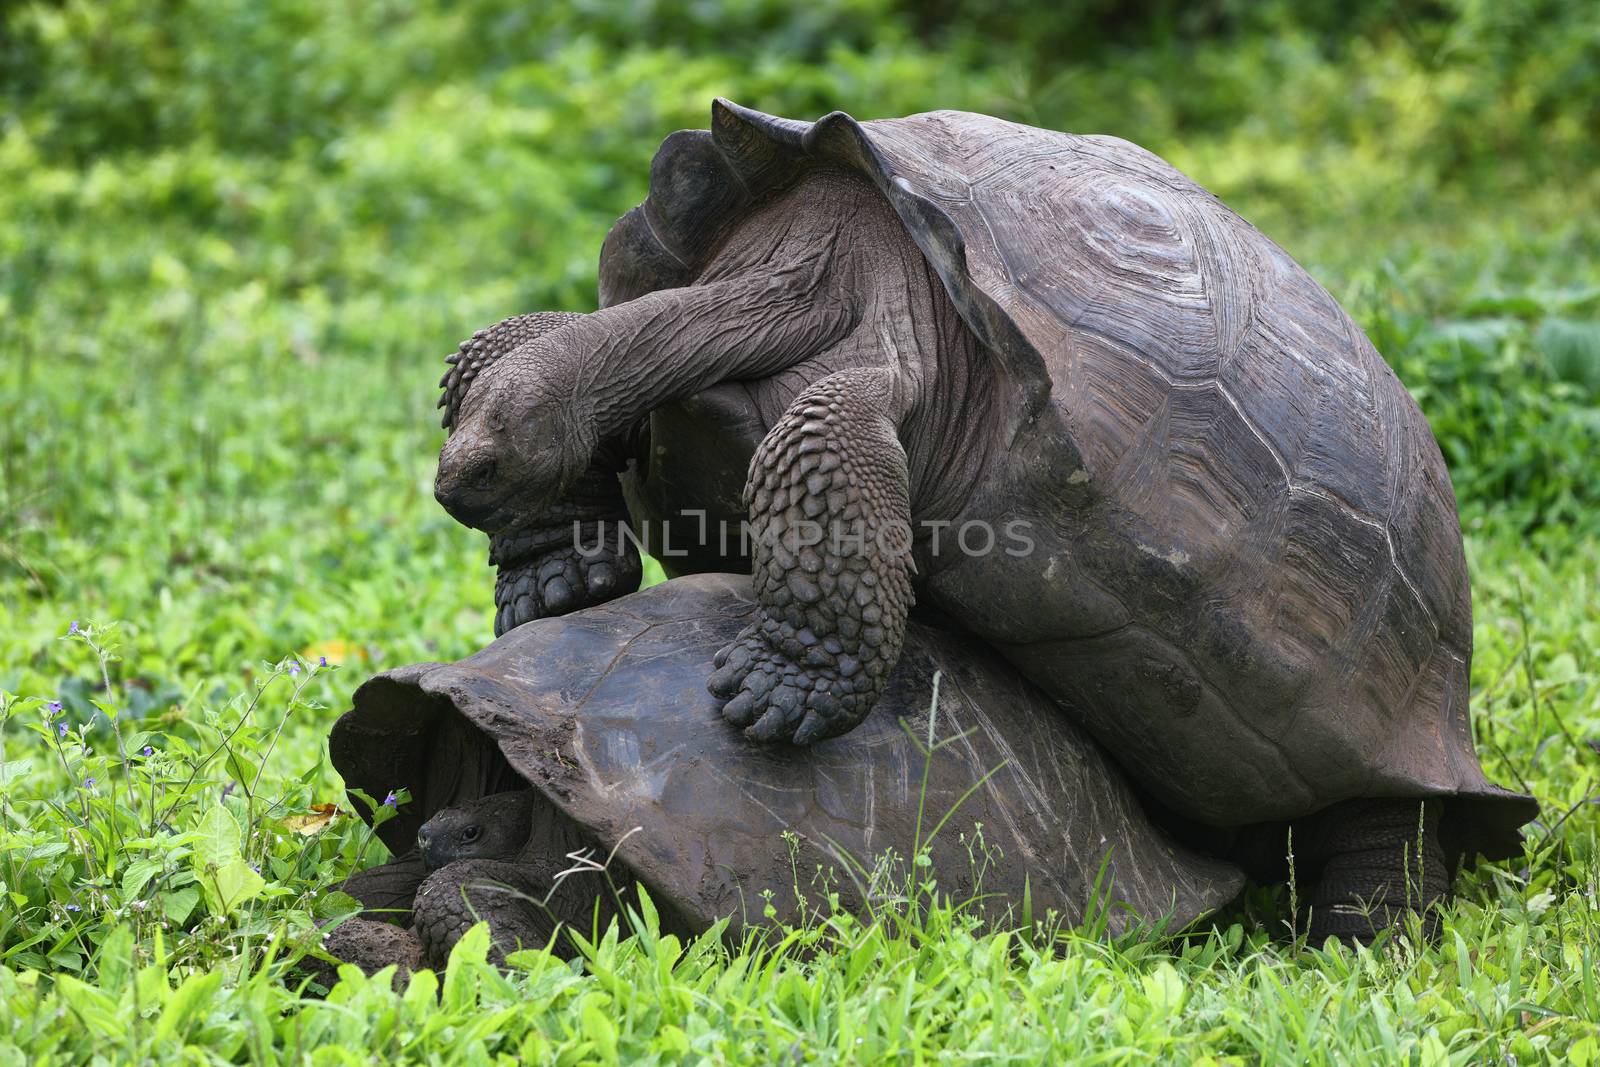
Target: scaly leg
pixel 1380 859
pixel 458 895
pixel 831 515
pixel 476 353
pixel 524 902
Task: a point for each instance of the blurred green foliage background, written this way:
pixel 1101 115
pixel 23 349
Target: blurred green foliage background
pixel 237 237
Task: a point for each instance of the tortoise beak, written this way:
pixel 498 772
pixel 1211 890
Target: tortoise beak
pixel 425 846
pixel 465 482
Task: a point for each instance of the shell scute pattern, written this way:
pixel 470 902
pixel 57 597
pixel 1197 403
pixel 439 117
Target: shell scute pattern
pixel 1233 412
pixel 1170 285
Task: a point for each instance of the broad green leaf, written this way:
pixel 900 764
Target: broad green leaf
pixel 14 769
pixel 334 904
pixel 97 1010
pixel 137 874
pixel 178 904
pixel 598 1027
pixel 231 885
pixel 217 840
pixel 242 768
pixel 467 958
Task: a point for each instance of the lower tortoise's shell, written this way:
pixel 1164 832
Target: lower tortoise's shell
pixel 605 711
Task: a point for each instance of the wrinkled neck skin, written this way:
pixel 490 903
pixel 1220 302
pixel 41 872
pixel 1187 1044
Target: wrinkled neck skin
pixel 617 365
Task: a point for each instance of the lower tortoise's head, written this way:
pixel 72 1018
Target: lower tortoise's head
pixel 494 828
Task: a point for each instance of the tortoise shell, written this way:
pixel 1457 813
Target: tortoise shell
pixel 605 711
pixel 1249 579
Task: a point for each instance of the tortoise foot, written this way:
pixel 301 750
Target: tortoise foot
pixel 831 566
pixel 564 580
pixel 785 686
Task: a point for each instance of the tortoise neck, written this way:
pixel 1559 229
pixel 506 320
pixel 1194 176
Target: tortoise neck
pixel 674 343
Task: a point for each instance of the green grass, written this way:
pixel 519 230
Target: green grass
pixel 237 239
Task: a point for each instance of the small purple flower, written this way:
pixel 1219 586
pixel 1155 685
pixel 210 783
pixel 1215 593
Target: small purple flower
pixel 73 628
pixel 52 709
pixel 148 751
pixel 294 668
pixel 322 661
pixel 88 783
pixel 391 800
pixel 73 907
pixel 61 729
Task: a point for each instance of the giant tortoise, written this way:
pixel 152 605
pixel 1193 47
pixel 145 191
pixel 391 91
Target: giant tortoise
pixel 1061 394
pixel 577 740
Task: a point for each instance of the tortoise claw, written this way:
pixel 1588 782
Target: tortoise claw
pixel 740 710
pixel 812 728
pixel 770 727
pixel 733 664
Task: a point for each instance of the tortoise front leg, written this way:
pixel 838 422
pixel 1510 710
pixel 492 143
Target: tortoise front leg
pixel 831 517
pixel 505 895
pixel 524 901
pixel 477 353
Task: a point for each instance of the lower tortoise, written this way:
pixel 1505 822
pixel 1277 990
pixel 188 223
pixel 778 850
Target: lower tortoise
pixel 580 743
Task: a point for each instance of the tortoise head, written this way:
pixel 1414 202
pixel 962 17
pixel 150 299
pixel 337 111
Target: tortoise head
pixel 496 827
pixel 518 441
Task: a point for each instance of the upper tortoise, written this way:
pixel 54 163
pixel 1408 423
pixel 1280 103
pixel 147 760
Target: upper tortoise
pixel 1051 386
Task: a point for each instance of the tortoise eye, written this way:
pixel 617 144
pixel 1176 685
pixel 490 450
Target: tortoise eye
pixel 469 834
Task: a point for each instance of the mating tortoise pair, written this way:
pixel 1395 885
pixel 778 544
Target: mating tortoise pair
pixel 1056 392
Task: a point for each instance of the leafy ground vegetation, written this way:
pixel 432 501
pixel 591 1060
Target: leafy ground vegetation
pixel 237 237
